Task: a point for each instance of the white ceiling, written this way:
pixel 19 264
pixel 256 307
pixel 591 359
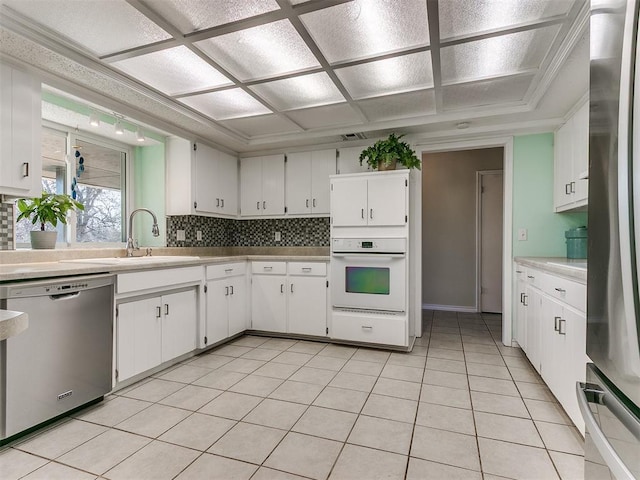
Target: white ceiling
pixel 258 74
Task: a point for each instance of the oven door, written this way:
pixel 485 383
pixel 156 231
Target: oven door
pixel 369 281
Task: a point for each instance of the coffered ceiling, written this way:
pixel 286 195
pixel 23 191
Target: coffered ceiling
pixel 250 73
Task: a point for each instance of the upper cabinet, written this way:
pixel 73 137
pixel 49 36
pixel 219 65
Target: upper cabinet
pixel 20 133
pixel 378 199
pixel 571 163
pixel 262 186
pixel 200 180
pixel 307 181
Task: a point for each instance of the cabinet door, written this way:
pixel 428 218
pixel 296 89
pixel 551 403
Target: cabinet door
pixel 237 305
pixel 179 324
pixel 533 305
pixel 298 183
pixel 349 160
pixel 139 337
pixel 581 153
pixel 520 324
pixel 251 186
pixel 574 329
pixel 308 305
pixel 20 133
pixel 552 344
pixel 562 164
pixel 268 303
pixel 323 164
pixel 273 185
pixel 348 202
pixel 217 310
pixel 387 199
pixel 227 184
pixel 206 173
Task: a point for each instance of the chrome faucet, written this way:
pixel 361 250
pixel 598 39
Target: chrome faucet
pixel 154 230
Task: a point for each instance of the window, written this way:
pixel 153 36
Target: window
pixel 99 185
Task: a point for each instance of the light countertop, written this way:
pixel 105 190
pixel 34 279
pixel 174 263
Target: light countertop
pixel 12 323
pixel 573 269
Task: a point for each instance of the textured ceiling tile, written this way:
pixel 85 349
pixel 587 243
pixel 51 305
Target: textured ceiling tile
pixel 300 92
pixel 262 125
pixel 486 93
pixel 404 105
pixel 100 26
pixel 326 117
pixel 226 104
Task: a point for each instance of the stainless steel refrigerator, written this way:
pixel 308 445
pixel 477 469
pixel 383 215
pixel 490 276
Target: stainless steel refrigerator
pixel 610 398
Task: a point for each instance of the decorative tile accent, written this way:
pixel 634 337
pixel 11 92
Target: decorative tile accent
pixel 222 232
pixel 7 233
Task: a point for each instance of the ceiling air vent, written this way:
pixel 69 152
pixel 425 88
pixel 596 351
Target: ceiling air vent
pixel 353 136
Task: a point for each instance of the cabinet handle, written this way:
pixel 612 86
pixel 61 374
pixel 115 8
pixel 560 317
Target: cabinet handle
pixel 226 291
pixel 306 269
pixel 530 276
pixel 371 213
pixel 166 309
pixel 231 287
pixel 519 271
pixel 366 327
pixel 217 202
pixel 525 300
pixel 561 290
pixel 25 169
pixel 158 312
pixel 522 297
pixel 292 288
pixel 282 288
pixel 228 270
pixel 573 187
pixel 258 205
pixel 567 189
pixel 560 324
pixel 314 203
pixel 267 269
pixel 362 213
pixel 222 202
pixel 264 205
pixel 555 323
pixel 307 203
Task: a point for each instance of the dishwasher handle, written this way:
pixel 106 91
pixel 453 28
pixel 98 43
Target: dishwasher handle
pixel 64 296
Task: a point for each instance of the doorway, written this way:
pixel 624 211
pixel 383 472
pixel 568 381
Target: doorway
pixel 489 223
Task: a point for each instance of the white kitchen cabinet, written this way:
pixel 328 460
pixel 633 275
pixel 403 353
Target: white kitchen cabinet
pixel 20 133
pixel 533 303
pixel 262 186
pixel 289 298
pixel 154 330
pixel 226 301
pixel 378 199
pixel 349 160
pixel 520 319
pixel 307 181
pixel 200 180
pixel 571 162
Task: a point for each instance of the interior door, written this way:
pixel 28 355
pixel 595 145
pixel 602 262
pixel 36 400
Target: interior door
pixel 491 206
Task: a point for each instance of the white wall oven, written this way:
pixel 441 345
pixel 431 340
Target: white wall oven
pixel 369 274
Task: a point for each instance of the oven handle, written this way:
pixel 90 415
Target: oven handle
pixel 369 255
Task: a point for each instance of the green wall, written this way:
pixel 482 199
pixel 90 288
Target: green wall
pixel 533 199
pixel 149 181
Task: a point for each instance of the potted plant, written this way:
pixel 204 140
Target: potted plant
pixel 385 154
pixel 48 208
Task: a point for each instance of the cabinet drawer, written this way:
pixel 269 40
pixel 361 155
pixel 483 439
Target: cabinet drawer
pixel 367 328
pixel 313 269
pixel 269 268
pixel 152 279
pixel 535 277
pixel 567 291
pixel 226 270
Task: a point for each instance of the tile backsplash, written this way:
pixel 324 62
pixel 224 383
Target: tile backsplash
pixel 221 232
pixel 7 239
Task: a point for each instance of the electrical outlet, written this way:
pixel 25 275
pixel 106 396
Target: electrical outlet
pixel 198 235
pixel 180 236
pixel 277 236
pixel 522 234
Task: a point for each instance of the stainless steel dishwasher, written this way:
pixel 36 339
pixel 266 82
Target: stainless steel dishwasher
pixel 64 359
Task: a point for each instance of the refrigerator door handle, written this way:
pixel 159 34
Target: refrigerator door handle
pixel 600 396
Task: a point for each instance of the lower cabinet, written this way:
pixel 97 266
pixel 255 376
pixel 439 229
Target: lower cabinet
pixel 154 330
pixel 289 298
pixel 226 293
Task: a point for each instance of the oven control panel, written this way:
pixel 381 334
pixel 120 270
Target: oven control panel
pixel 364 245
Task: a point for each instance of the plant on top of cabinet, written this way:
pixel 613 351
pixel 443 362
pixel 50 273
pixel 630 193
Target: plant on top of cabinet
pixel 48 208
pixel 385 154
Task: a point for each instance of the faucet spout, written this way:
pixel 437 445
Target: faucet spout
pixel 155 230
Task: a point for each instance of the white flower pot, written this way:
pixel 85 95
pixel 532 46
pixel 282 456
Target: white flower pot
pixel 43 240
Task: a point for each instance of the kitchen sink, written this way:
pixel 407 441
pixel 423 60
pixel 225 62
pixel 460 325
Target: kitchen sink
pixel 132 260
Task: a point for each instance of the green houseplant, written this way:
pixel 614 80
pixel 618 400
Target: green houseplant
pixel 48 208
pixel 384 154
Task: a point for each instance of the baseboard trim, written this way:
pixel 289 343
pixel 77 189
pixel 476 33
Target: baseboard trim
pixel 449 308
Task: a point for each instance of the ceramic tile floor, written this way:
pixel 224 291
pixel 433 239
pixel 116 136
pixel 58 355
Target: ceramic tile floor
pixel 459 406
